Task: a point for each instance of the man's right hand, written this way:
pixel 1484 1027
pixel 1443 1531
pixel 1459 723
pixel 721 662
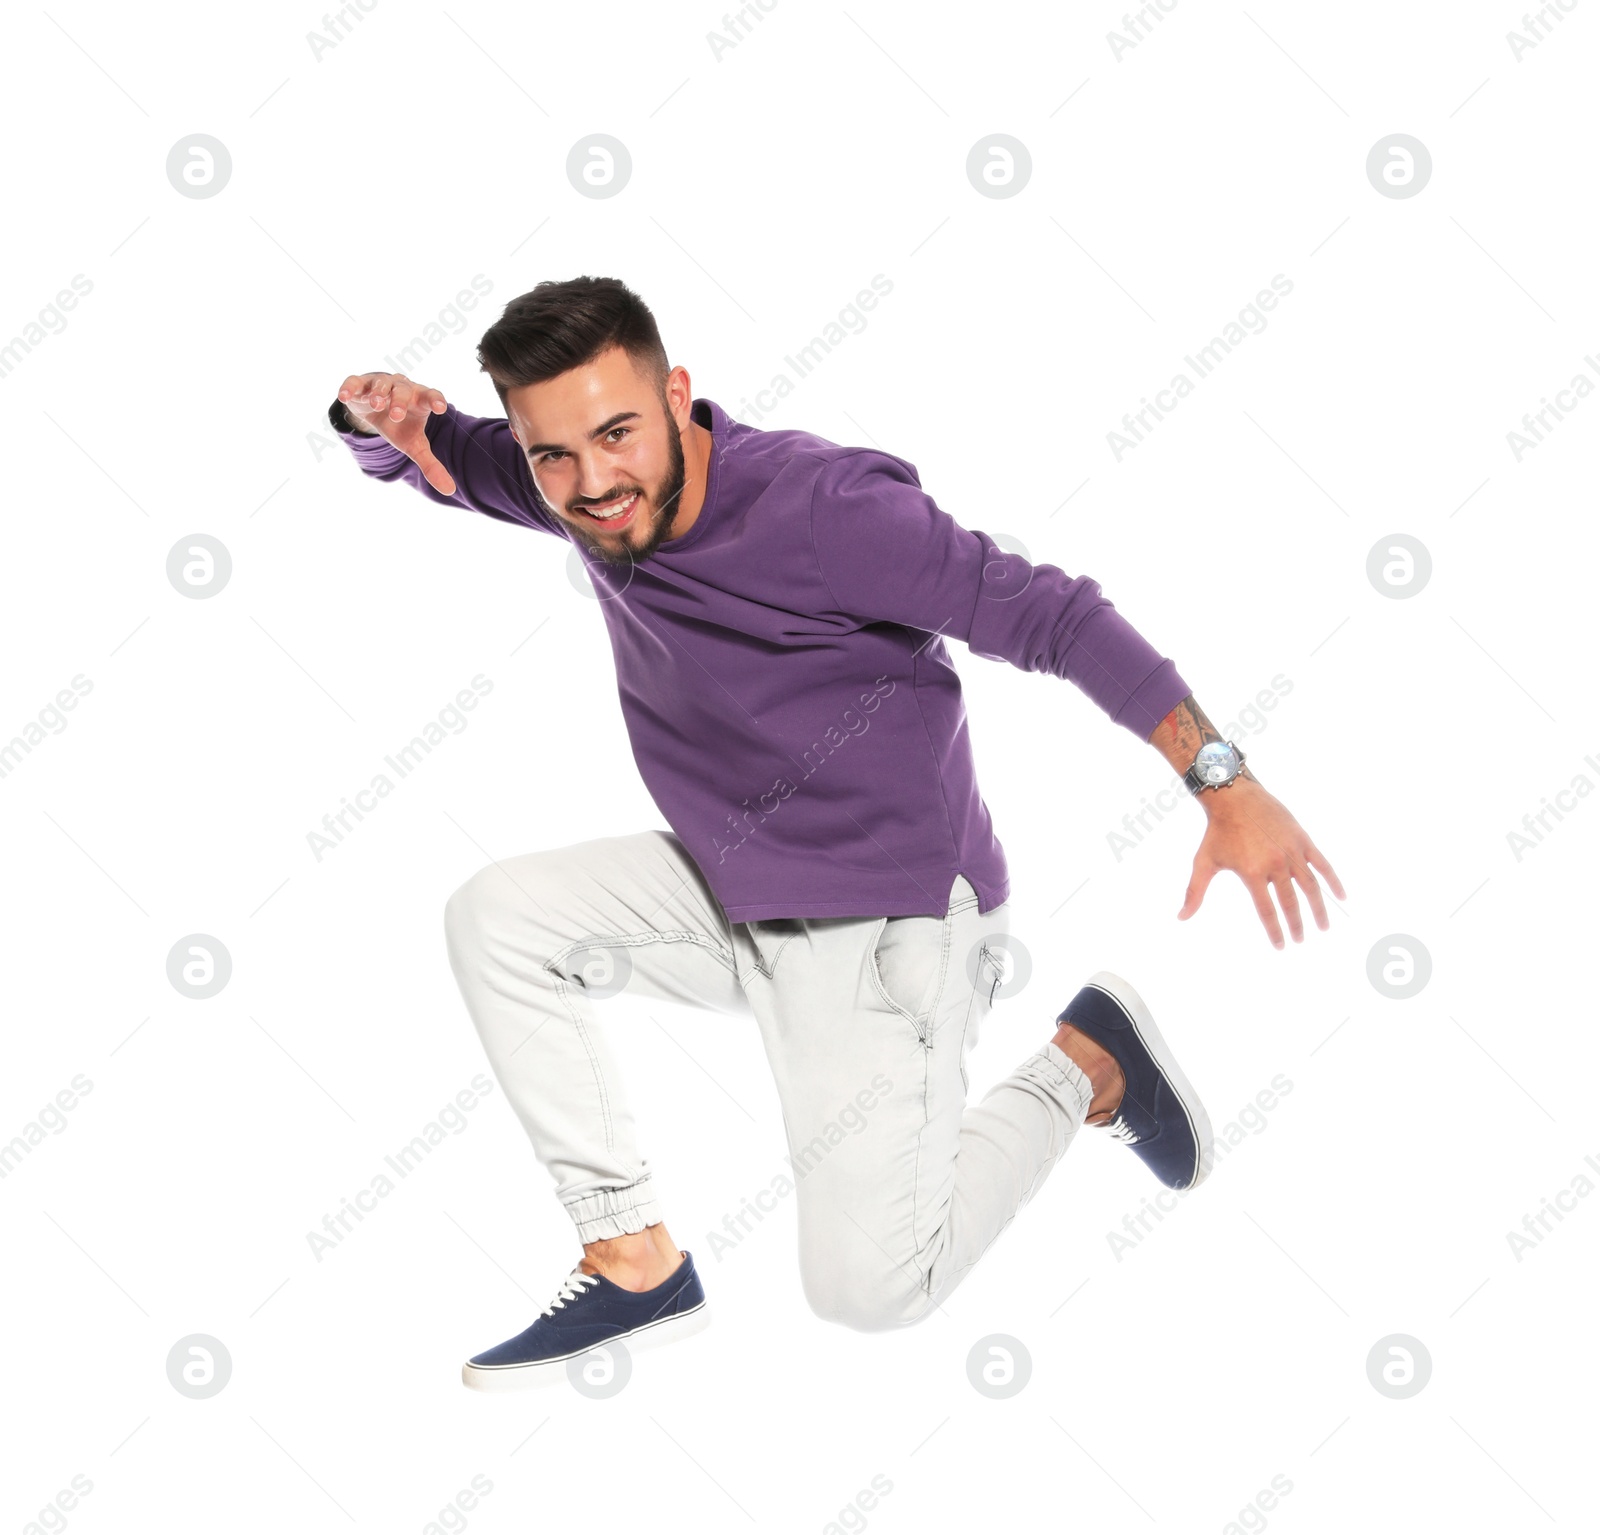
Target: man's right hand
pixel 397 409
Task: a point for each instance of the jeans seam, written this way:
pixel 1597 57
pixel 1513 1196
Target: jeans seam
pixel 639 940
pixel 952 912
pixel 563 991
pixel 966 1026
pixel 924 1276
pixel 944 970
pixel 947 929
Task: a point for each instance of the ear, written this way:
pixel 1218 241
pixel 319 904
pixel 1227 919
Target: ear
pixel 680 395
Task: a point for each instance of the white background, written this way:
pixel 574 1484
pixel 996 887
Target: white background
pixel 186 394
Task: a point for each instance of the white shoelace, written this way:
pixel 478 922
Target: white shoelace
pixel 1122 1131
pixel 573 1285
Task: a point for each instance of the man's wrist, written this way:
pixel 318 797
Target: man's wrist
pixel 1231 795
pixel 1182 735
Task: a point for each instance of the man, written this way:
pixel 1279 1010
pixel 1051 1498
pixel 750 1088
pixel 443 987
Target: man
pixel 777 606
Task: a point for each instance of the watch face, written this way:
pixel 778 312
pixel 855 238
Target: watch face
pixel 1215 762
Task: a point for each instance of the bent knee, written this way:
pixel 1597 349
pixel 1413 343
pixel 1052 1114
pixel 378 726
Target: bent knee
pixel 865 1302
pixel 462 911
pixel 474 906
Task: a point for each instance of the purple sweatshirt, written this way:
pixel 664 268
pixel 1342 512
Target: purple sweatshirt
pixel 782 667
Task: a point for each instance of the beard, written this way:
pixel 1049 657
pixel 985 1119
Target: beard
pixel 656 520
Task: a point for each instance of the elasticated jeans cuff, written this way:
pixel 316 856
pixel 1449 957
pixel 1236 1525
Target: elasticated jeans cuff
pixel 616 1212
pixel 1061 1076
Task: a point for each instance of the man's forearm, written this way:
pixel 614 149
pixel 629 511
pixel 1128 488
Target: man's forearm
pixel 1181 735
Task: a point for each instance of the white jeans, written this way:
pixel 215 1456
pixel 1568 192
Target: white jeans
pixel 900 1186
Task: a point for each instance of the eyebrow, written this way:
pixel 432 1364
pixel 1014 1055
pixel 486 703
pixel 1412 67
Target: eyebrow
pixel 599 431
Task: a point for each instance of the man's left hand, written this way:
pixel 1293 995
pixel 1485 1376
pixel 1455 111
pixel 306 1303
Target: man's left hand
pixel 1251 833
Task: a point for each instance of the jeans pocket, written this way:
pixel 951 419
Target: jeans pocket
pixel 908 956
pixel 989 974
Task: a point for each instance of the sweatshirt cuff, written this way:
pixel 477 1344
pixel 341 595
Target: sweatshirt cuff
pixel 367 440
pixel 1153 700
pixel 371 447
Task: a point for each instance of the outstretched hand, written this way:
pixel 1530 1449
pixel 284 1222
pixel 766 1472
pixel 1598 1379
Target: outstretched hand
pixel 397 408
pixel 1251 833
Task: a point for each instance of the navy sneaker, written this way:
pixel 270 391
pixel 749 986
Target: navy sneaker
pixel 1160 1116
pixel 588 1310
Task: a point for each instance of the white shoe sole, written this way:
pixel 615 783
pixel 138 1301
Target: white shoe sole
pixel 551 1372
pixel 1144 1025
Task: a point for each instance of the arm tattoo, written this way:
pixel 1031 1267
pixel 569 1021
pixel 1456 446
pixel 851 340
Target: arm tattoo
pixel 1183 732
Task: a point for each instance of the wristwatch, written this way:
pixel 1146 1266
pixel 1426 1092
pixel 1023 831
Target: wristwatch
pixel 1215 766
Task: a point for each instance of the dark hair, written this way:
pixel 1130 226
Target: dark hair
pixel 559 326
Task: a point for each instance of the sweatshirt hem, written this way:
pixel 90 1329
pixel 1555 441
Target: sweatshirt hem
pixel 989 897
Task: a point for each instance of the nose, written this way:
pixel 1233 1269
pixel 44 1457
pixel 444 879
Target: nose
pixel 595 480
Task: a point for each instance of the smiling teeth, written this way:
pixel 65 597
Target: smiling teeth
pixel 621 511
